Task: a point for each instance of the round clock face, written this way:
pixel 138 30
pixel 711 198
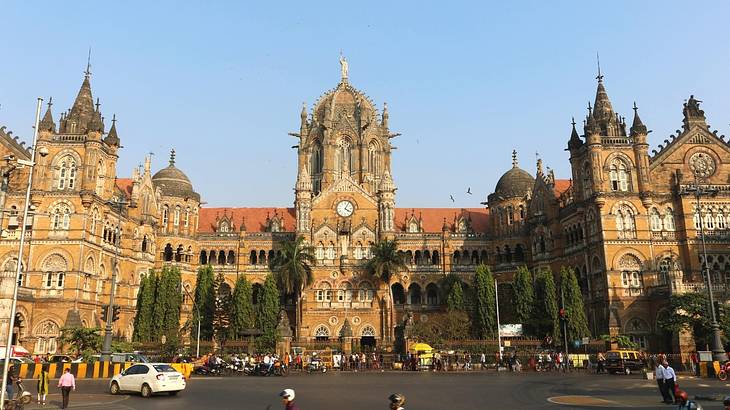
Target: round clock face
pixel 702 164
pixel 345 208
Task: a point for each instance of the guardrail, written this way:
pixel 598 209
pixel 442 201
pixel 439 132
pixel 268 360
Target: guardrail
pixel 96 370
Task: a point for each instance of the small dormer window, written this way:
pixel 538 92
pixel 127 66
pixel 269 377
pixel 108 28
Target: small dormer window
pixel 224 227
pixel 413 227
pixel 275 226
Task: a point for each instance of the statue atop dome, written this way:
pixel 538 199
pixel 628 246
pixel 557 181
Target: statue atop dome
pixel 344 67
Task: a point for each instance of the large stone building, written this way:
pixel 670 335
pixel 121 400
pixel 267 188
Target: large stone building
pixel 623 221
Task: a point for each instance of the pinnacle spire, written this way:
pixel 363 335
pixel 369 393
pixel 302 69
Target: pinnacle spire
pixel 514 159
pixel 575 141
pixel 82 110
pixel 112 138
pixel 172 157
pixel 637 127
pixel 47 123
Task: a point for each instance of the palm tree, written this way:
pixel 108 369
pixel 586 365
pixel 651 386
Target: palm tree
pixel 293 271
pixel 384 263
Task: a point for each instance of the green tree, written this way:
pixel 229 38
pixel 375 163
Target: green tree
pixel 575 314
pixel 485 313
pixel 690 312
pixel 166 306
pixel 293 270
pixel 384 264
pixel 221 308
pixel 267 314
pixel 204 302
pixel 84 341
pixel 455 300
pixel 242 312
pixel 524 301
pixel 145 303
pixel 545 314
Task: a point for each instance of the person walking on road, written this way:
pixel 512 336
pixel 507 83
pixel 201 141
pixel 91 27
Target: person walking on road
pixel 43 381
pixel 659 375
pixel 287 398
pixel 66 383
pixel 669 378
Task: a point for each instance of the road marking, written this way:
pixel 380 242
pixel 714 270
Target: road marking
pixel 703 385
pixel 582 401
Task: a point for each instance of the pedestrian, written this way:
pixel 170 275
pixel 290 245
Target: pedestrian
pixel 66 383
pixel 685 403
pixel 397 401
pixel 659 375
pixel 11 381
pixel 482 361
pixel 601 363
pixel 43 381
pixel 669 378
pixel 287 398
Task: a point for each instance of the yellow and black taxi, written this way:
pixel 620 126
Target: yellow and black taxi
pixel 624 361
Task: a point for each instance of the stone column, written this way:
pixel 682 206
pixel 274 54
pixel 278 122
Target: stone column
pixel 284 333
pixel 346 337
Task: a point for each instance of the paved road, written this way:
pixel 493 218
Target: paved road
pixel 425 391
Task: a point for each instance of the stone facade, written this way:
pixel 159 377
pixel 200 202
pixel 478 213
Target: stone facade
pixel 622 222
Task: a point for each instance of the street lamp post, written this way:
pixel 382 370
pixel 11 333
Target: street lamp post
pixel 19 265
pixel 718 352
pixel 106 349
pixel 197 311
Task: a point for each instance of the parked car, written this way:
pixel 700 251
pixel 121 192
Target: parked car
pixel 60 358
pixel 148 379
pixel 16 361
pixel 128 358
pixel 624 361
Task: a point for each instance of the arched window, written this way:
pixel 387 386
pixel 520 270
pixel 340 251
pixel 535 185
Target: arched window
pixel 176 217
pixel 669 220
pixel 47 334
pixel 319 251
pixel 373 158
pixel 366 292
pixel 625 224
pixel 262 257
pixel 165 216
pixel 66 173
pixel 456 259
pixel 231 258
pixel 655 220
pixel 587 181
pixel 100 177
pixel 413 227
pixel 418 258
pixel 168 253
pixel 359 251
pixel 179 253
pixel 435 260
pixel 61 217
pixel 316 166
pixel 709 220
pixel 187 217
pixel 252 258
pixel 665 265
pixel 324 293
pixel 322 333
pixel 344 294
pixel 144 243
pixel 414 294
pixel 330 253
pixel 9 271
pixel 510 215
pixel 720 221
pixel 619 176
pixel 631 275
pixel 204 257
pixel 432 295
pixel 54 272
pixel 399 295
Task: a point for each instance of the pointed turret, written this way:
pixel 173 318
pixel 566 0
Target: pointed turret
pixel 608 122
pixel 385 115
pixel 574 142
pixel 637 127
pixel 112 138
pixel 82 111
pixel 47 123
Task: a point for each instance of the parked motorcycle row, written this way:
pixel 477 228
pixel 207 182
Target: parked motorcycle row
pixel 239 367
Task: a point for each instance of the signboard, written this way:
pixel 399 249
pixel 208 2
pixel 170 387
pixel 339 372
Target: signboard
pixel 510 330
pixel 586 340
pixel 705 356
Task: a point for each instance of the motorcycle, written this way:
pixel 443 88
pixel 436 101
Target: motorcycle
pixel 22 398
pixel 277 369
pixel 316 366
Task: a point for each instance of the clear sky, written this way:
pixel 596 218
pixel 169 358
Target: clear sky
pixel 465 82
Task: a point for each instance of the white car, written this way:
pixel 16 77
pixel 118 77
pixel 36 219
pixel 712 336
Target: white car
pixel 148 378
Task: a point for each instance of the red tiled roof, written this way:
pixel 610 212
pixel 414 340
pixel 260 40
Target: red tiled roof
pixel 561 185
pixel 125 185
pixel 433 218
pixel 255 218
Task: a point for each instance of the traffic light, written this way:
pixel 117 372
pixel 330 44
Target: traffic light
pixel 105 312
pixel 115 313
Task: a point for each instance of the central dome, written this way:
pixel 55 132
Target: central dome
pixel 514 183
pixel 174 182
pixel 343 99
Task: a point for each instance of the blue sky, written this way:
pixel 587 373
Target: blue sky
pixel 465 82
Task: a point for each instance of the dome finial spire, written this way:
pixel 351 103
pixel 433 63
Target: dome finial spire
pixel 172 157
pixel 514 158
pixel 87 73
pixel 599 77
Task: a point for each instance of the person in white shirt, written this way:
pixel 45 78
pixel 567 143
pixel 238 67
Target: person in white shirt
pixel 268 362
pixel 659 374
pixel 669 377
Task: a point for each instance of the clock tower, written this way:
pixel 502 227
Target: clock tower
pixel 345 196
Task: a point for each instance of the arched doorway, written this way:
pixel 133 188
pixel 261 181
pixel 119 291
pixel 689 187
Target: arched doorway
pixel 367 338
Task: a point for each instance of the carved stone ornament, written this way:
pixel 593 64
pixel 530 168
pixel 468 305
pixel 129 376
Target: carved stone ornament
pixel 55 263
pixel 702 164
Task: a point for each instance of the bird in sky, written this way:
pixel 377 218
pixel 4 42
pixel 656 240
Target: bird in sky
pixel 468 190
pixel 452 198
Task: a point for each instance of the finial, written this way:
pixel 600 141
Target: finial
pixel 636 109
pixel 598 61
pixel 344 67
pixel 172 157
pixel 97 104
pixel 572 121
pixel 114 119
pixel 88 65
pixel 50 102
pixel 514 158
pixel 590 109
